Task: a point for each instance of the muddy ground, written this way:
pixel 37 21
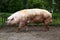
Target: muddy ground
pixel 34 33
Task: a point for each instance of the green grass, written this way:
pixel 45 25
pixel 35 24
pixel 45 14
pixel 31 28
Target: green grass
pixel 56 18
pixel 3 14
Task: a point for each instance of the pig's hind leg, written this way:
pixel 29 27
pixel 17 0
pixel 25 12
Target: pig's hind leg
pixel 47 22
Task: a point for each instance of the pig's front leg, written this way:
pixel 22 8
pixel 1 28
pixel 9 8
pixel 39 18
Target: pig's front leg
pixel 22 24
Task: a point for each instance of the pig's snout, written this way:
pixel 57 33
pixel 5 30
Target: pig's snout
pixel 7 23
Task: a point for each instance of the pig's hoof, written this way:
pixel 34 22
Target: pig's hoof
pixel 45 30
pixel 26 29
pixel 17 31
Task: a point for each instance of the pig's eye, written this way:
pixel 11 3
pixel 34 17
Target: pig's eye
pixel 12 19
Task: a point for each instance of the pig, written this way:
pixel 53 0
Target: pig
pixel 25 16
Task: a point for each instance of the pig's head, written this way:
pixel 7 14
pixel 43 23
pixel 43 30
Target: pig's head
pixel 12 20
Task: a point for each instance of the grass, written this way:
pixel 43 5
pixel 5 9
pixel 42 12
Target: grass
pixel 1 15
pixel 56 18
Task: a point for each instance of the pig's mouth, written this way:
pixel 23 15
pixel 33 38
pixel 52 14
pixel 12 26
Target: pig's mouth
pixel 11 25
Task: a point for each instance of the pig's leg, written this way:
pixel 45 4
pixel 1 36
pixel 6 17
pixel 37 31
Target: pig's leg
pixel 47 21
pixel 21 25
pixel 26 22
pixel 26 28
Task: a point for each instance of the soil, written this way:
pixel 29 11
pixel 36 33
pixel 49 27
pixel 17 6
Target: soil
pixel 33 33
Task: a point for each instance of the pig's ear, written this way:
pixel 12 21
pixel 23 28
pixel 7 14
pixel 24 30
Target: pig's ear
pixel 12 19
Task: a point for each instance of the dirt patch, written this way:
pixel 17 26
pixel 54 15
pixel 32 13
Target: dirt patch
pixel 34 33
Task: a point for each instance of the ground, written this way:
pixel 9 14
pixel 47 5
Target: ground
pixel 34 33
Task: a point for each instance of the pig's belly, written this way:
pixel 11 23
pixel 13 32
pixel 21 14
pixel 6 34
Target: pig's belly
pixel 37 20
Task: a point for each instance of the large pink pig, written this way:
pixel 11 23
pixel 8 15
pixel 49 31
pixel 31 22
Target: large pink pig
pixel 23 17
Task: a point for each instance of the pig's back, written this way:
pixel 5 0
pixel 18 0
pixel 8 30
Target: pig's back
pixel 29 12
